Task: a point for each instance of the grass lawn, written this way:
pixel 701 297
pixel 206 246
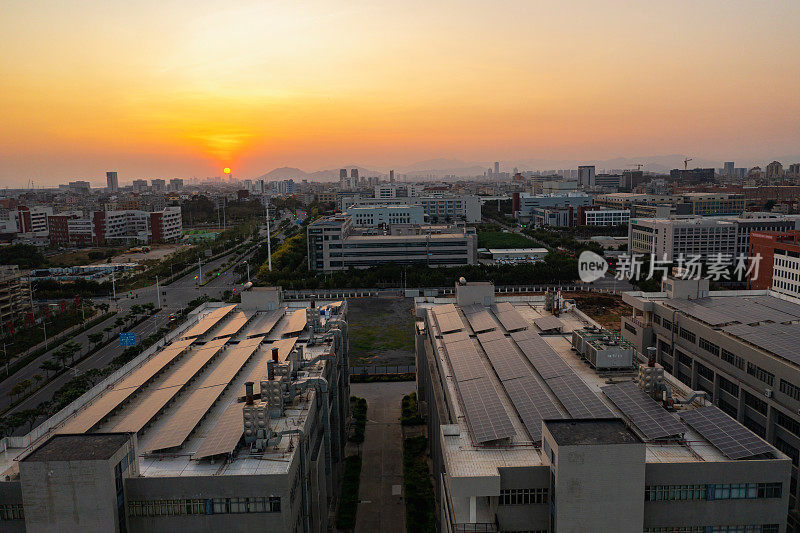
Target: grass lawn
pixel 499 239
pixel 381 331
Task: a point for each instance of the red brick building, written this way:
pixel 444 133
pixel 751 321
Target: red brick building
pixel 767 244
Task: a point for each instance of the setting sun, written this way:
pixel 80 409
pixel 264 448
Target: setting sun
pixel 226 170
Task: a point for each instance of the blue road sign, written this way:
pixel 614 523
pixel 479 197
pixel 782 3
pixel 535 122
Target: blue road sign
pixel 127 339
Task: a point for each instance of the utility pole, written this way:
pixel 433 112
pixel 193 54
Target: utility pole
pixel 200 275
pixel 114 290
pixel 269 242
pixel 248 270
pixel 158 294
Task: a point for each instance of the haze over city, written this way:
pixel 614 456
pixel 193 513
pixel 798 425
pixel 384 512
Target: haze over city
pixel 186 88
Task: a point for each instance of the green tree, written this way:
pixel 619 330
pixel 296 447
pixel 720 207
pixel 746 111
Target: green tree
pixel 49 366
pixel 95 338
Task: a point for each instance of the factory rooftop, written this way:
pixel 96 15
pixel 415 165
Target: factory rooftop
pixel 502 379
pixel 184 398
pixel 764 319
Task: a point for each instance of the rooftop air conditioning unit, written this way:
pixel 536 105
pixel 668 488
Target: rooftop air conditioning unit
pixel 768 393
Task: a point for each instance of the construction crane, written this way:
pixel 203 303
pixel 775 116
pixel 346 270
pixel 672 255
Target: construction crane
pixel 637 165
pixel 686 164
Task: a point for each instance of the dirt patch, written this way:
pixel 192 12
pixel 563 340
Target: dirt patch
pixel 606 309
pixel 156 253
pixel 381 331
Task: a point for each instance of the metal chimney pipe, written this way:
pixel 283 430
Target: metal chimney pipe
pixel 312 304
pixel 248 387
pixel 275 355
pixel 651 356
pixel 270 371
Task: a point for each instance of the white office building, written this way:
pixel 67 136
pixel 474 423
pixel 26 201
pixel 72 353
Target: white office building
pixel 383 215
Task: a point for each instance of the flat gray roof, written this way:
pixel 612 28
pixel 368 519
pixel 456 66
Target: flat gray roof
pixel 81 447
pixel 598 431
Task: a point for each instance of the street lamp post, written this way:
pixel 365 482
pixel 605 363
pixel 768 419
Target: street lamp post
pixel 158 294
pixel 248 270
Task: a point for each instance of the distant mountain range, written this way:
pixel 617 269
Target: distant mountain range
pixel 438 168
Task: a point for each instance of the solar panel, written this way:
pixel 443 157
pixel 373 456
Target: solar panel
pixel 196 405
pixel 479 318
pixel 532 404
pixel 486 417
pixel 237 320
pixel 447 318
pixel 725 433
pixel 225 435
pixel 504 358
pixel 577 398
pixel 465 360
pixel 541 355
pixel 94 413
pixel 297 323
pixel 546 323
pixel 644 412
pixel 263 323
pixel 208 322
pixel 509 317
pixel 148 407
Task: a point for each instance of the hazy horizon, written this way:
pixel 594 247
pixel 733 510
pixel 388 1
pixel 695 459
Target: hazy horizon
pixel 157 89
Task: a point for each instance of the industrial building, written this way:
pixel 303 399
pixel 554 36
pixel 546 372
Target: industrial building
pixel 15 297
pixel 235 421
pixel 703 236
pixel 530 432
pixel 740 347
pixel 385 215
pixel 779 264
pixel 437 207
pixel 334 243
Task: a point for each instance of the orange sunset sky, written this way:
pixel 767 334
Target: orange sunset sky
pixel 185 88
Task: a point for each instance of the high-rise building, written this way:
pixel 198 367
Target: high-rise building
pixel 586 175
pixel 158 184
pixel 391 176
pixel 774 170
pixel 728 169
pixel 354 175
pixel 176 184
pixel 496 168
pixel 112 181
pixel 139 185
pixel 342 176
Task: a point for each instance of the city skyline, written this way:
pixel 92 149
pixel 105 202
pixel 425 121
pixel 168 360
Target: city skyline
pixel 188 89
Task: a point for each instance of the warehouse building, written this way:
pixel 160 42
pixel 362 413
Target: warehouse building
pixel 565 430
pixel 740 347
pixel 234 422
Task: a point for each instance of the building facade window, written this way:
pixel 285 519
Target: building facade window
pixel 688 335
pixel 522 496
pixel 755 402
pixel 710 347
pixel 760 374
pixel 271 504
pixel 793 391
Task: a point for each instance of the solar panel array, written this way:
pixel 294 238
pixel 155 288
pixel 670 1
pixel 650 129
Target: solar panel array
pixel 725 433
pixel 578 399
pixel 486 416
pixel 509 317
pixel 547 323
pixel 225 435
pixel 479 318
pixel 504 358
pixel 644 412
pixel 780 339
pixel 103 406
pixel 208 322
pixel 263 323
pixel 447 318
pixel 152 404
pixel 183 421
pixel 297 323
pixel 237 320
pixel 527 395
pixel 541 355
pixel 532 403
pixel 464 358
